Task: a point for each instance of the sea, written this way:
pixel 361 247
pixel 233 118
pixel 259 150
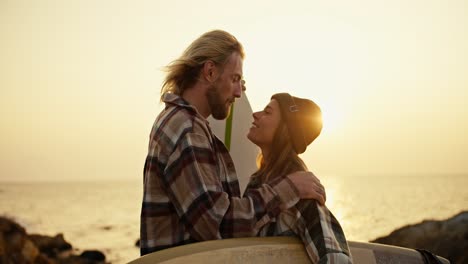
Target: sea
pixel 104 215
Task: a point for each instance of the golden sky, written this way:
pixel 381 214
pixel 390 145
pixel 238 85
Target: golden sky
pixel 80 80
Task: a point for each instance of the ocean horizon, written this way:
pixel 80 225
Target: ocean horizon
pixel 104 215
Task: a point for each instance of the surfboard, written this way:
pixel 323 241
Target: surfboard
pixel 271 250
pixel 233 132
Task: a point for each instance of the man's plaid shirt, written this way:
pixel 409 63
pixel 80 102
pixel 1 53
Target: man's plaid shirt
pixel 191 191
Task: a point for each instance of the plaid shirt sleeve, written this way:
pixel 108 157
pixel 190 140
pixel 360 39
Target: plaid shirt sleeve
pixel 191 192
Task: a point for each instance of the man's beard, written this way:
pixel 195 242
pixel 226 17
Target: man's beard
pixel 218 107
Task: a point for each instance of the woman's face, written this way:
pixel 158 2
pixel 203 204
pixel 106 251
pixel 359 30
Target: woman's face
pixel 264 125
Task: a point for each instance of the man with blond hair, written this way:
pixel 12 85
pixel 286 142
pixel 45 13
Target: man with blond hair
pixel 191 190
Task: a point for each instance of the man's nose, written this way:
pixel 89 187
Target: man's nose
pixel 239 89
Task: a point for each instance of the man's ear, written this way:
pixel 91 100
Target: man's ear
pixel 210 71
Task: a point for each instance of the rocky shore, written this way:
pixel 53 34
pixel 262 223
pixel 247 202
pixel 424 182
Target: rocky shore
pixel 17 246
pixel 447 238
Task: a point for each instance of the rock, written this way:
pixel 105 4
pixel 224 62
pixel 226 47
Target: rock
pixel 51 246
pixel 106 228
pixel 93 255
pixel 447 238
pixel 29 251
pixel 87 257
pixel 16 246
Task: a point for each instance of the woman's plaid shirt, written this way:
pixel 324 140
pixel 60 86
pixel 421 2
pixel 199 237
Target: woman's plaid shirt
pixel 191 191
pixel 319 230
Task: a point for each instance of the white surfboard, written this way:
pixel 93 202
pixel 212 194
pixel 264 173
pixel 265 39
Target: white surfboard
pixel 272 250
pixel 233 132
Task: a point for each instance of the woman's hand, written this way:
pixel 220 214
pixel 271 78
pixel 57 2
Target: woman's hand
pixel 308 185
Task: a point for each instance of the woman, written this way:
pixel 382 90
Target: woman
pixel 283 130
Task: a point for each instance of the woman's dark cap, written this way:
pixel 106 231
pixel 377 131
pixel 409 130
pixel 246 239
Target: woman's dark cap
pixel 303 119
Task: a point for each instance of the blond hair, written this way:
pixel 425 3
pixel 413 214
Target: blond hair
pixel 182 73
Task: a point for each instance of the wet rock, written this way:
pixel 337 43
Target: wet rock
pixel 447 238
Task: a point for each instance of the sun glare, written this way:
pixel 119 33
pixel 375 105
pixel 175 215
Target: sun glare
pixel 331 117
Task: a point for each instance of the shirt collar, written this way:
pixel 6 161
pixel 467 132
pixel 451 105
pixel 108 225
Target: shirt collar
pixel 174 99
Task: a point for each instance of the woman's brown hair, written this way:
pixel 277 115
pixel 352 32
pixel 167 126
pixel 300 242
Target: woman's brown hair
pixel 282 160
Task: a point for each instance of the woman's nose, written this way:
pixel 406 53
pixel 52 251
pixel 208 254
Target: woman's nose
pixel 256 115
